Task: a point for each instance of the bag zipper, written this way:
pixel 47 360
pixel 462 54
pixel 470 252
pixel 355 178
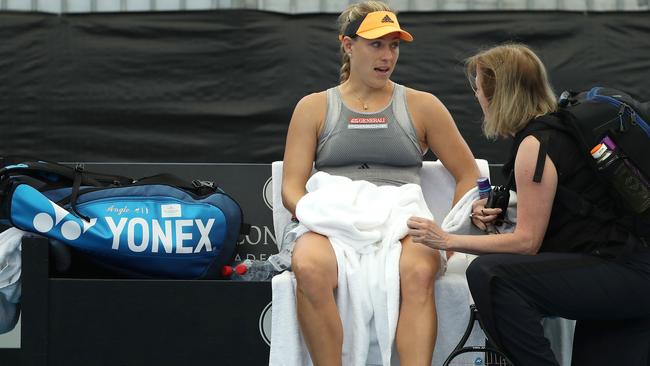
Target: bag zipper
pixel 66 200
pixel 624 108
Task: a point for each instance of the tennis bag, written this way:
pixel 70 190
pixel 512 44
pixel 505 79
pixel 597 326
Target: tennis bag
pixel 159 226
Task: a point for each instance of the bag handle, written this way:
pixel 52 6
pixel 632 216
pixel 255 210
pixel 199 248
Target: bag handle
pixel 74 194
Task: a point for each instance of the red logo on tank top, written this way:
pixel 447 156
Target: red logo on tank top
pixel 367 122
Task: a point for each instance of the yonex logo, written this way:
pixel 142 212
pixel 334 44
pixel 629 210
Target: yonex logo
pixel 387 19
pixel 70 229
pixel 169 236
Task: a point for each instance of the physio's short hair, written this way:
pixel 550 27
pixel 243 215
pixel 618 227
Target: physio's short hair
pixel 352 13
pixel 516 86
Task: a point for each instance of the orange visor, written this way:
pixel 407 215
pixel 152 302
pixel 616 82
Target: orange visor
pixel 374 25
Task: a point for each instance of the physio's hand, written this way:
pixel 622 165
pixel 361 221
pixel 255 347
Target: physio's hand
pixel 482 217
pixel 427 232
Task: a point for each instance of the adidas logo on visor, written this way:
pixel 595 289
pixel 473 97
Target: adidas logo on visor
pixel 387 19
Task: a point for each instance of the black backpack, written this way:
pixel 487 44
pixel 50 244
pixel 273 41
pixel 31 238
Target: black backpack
pixel 588 117
pixel 602 112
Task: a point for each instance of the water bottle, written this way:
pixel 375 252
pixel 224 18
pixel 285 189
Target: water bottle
pixel 484 187
pixel 626 182
pixel 254 270
pixel 282 260
pixel 611 145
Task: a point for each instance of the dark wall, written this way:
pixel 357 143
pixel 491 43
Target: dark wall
pixel 220 86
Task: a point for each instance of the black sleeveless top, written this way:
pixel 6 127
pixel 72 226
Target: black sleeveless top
pixel 585 216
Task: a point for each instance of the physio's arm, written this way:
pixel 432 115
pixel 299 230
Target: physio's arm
pixel 534 203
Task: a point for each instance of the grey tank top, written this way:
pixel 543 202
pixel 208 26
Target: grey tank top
pixel 380 147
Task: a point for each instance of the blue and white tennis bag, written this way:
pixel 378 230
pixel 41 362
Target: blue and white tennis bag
pixel 159 226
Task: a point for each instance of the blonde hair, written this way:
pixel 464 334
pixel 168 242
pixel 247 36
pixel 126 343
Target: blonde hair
pixel 516 85
pixel 352 13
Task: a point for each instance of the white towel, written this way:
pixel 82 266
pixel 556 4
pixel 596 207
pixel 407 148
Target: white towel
pixel 10 259
pixel 458 221
pixel 287 345
pixel 364 223
pixel 10 269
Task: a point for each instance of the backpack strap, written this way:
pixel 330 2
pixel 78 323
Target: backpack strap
pixel 541 157
pixel 55 175
pixel 539 128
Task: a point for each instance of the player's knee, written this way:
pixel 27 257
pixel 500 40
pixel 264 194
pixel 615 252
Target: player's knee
pixel 418 276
